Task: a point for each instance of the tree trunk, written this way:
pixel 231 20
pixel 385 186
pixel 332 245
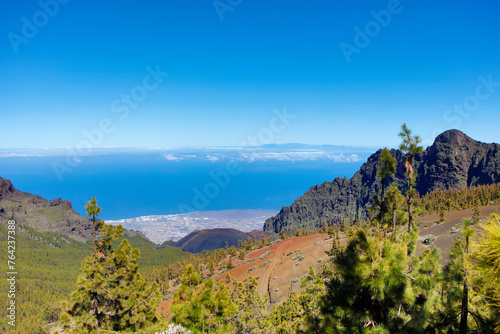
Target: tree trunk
pixel 393 224
pixel 93 239
pixel 382 203
pixel 465 308
pixel 409 170
pixel 410 213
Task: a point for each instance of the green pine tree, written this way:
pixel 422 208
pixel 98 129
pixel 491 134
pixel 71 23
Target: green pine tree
pixel 410 145
pixel 205 308
pixel 249 317
pixel 186 308
pixel 464 308
pixel 379 286
pixel 310 300
pixel 464 313
pixel 487 264
pixel 476 215
pixel 394 200
pixel 442 213
pixel 452 289
pixel 111 295
pixel 387 169
pixel 288 317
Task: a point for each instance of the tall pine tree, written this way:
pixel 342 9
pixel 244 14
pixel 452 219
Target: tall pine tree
pixel 411 146
pixel 288 317
pixel 487 264
pixel 249 317
pixel 380 287
pixel 310 300
pixel 387 169
pixel 111 295
pixel 394 200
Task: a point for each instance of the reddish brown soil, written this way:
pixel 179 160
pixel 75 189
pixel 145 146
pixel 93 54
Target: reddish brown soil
pixel 275 279
pixel 164 307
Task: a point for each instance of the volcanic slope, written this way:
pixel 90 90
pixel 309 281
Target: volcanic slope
pixel 210 239
pixel 281 265
pixel 450 230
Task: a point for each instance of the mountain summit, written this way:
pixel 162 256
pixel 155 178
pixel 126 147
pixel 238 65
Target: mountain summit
pixel 6 188
pixel 454 160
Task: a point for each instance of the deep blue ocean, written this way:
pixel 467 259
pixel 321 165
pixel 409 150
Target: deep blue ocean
pixel 136 185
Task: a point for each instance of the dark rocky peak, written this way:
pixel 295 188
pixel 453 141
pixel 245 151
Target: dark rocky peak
pixel 6 187
pixel 60 202
pixel 453 161
pixel 455 138
pixel 456 145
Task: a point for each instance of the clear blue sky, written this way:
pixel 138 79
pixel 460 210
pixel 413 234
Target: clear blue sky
pixel 226 76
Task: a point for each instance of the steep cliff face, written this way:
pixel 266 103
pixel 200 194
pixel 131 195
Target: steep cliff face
pixel 457 161
pixel 453 161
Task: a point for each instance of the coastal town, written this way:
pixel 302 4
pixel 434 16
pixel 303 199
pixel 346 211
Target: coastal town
pixel 160 228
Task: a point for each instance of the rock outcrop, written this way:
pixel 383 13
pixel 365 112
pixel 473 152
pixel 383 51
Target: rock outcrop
pixel 454 160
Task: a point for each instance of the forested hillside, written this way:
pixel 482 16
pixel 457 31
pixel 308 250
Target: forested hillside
pixel 48 265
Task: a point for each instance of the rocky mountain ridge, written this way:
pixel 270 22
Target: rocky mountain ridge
pixel 454 160
pixel 43 215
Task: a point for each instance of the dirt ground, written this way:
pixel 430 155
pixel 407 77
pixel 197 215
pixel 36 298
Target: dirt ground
pixel 275 278
pixel 442 231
